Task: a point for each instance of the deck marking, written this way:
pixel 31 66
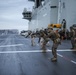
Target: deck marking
pixel 31 51
pixel 11 45
pixel 59 55
pixel 65 50
pixel 37 51
pixel 66 58
pixel 34 51
pixel 73 61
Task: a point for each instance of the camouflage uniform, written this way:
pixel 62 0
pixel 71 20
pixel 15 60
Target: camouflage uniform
pixel 55 37
pixel 74 37
pixel 72 34
pixel 32 39
pixel 45 40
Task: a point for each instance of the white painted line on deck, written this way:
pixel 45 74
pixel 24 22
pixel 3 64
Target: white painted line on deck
pixel 31 51
pixel 59 55
pixel 64 50
pixel 73 61
pixel 35 51
pixel 3 52
pixel 11 45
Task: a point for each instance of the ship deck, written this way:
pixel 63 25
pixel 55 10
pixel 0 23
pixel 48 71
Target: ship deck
pixel 18 57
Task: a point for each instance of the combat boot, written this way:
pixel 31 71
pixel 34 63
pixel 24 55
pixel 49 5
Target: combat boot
pixel 44 51
pixel 53 59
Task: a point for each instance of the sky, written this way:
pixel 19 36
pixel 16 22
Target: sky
pixel 11 14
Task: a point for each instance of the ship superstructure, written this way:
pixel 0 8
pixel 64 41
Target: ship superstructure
pixel 47 12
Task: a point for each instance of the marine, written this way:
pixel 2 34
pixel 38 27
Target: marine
pixel 73 37
pixel 55 37
pixel 44 40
